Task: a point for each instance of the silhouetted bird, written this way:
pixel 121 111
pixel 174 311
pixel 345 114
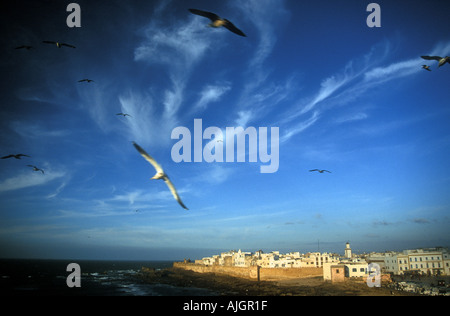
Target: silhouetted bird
pixel 86 80
pixel 426 67
pixel 15 156
pixel 321 171
pixel 124 114
pixel 160 174
pixel 441 60
pixel 58 44
pixel 217 21
pixel 36 168
pixel 24 46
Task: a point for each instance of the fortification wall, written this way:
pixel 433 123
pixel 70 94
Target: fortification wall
pixel 252 272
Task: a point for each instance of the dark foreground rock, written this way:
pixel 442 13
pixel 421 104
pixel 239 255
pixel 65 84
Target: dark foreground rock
pixel 233 286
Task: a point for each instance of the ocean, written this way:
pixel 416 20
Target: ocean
pixel 35 277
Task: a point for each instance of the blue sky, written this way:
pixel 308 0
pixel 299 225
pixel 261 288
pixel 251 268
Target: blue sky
pixel 347 98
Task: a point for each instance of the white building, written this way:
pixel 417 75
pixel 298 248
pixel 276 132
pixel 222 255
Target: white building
pixel 317 259
pixel 356 269
pixel 242 259
pixel 434 261
pixel 348 251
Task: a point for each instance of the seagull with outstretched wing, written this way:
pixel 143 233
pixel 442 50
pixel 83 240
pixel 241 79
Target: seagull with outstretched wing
pixel 217 21
pixel 441 60
pixel 320 171
pixel 86 80
pixel 17 156
pixel 160 174
pixel 36 168
pixel 123 114
pixel 58 44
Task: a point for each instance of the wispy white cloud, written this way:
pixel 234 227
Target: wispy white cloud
pixel 210 94
pixel 392 71
pixel 30 178
pixel 352 117
pixel 35 130
pixel 358 77
pixel 299 127
pixel 267 17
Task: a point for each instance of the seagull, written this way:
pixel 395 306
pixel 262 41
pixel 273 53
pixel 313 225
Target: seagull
pixel 217 21
pixel 36 168
pixel 87 80
pixel 124 114
pixel 15 156
pixel 24 46
pixel 426 67
pixel 321 171
pixel 160 174
pixel 441 60
pixel 58 44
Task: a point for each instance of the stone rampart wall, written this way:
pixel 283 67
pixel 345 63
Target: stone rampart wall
pixel 252 272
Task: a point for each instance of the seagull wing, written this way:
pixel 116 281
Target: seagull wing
pixel 148 158
pixel 68 45
pixel 174 192
pixel 5 157
pixel 209 15
pixel 431 57
pixel 314 170
pixel 230 26
pixel 327 171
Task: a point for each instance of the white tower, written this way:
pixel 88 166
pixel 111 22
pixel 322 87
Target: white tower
pixel 348 250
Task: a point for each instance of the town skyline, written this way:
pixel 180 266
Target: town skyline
pixel 337 92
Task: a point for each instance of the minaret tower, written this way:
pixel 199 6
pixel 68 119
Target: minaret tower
pixel 348 250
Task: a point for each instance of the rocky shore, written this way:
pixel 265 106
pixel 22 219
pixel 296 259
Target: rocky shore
pixel 233 286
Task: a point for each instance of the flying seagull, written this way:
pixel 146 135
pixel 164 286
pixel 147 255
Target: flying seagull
pixel 58 44
pixel 124 114
pixel 86 80
pixel 217 21
pixel 160 174
pixel 15 156
pixel 36 168
pixel 426 67
pixel 24 46
pixel 441 60
pixel 321 171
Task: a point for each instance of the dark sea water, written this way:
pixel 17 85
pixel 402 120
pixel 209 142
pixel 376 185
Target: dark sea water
pixel 98 278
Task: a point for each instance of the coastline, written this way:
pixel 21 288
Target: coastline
pixel 226 285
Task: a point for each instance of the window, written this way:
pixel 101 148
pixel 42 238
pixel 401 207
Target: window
pixel 354 270
pixel 361 270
